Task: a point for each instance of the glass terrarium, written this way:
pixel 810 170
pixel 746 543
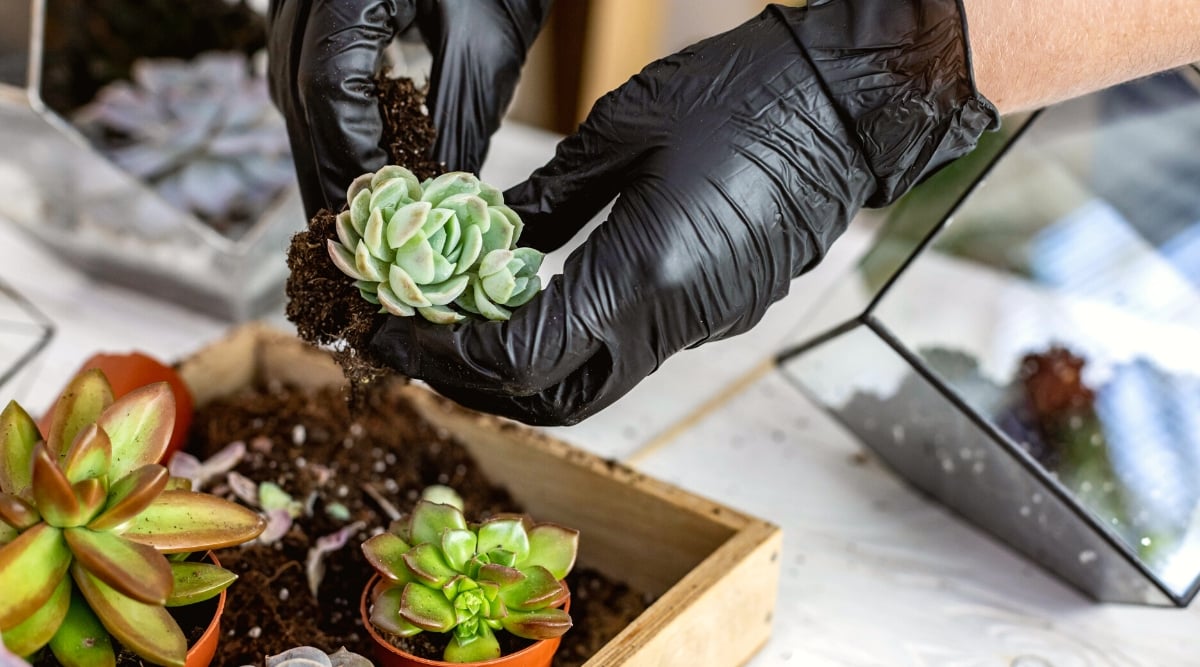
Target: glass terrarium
pixel 116 156
pixel 24 332
pixel 1021 341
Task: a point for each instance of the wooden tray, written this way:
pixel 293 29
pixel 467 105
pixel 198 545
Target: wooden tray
pixel 715 571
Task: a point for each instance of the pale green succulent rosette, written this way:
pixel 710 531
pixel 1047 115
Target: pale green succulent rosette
pixel 440 248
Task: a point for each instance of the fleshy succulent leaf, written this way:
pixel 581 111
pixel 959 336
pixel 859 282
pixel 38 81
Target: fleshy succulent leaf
pixel 86 396
pixel 416 238
pixel 416 258
pixel 145 629
pixel 426 563
pixel 30 568
pixel 472 247
pixel 500 574
pixel 368 267
pixel 537 625
pixel 525 293
pixel 448 185
pixel 392 303
pixel 384 552
pixel 373 237
pixel 457 585
pixel 445 495
pixel 360 210
pixel 530 259
pixel 346 234
pixel 407 289
pixel 17 513
pixel 485 305
pixel 130 495
pixel 81 640
pixel 499 286
pixel 501 557
pixel 458 546
pixel 427 608
pixel 506 533
pixel 89 455
pixel 132 569
pixel 428 520
pixel 90 494
pixel 18 435
pixel 538 590
pixel 482 646
pixel 36 630
pixel 139 425
pixel 197 582
pixel 52 491
pixel 187 521
pixel 406 222
pixel 446 292
pixel 500 233
pixel 441 315
pixel 7 533
pixel 343 258
pixel 553 547
pixel 387 195
pixel 494 261
pixel 385 614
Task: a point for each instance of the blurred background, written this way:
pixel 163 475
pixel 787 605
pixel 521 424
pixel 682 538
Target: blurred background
pixel 590 47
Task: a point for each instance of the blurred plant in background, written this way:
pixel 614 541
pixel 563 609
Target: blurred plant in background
pixel 202 133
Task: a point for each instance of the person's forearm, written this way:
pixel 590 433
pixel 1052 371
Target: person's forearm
pixel 1028 54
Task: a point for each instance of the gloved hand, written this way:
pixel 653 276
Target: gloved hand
pixel 323 58
pixel 735 164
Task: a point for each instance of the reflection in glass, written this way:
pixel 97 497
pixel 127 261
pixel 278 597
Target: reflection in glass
pixel 1058 308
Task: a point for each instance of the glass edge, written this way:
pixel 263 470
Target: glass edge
pixel 1025 460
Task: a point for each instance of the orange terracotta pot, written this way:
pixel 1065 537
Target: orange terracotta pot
pixel 129 371
pixel 201 653
pixel 538 655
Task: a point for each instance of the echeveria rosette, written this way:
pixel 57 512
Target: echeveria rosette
pixel 440 248
pixel 86 516
pixel 444 575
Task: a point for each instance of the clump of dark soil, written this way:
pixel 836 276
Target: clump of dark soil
pixel 357 460
pixel 322 302
pixel 408 131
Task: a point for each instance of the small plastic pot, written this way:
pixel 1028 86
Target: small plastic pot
pixel 538 655
pixel 201 653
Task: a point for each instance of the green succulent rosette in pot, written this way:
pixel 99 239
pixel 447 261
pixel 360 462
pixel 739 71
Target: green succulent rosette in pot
pixel 445 575
pixel 444 248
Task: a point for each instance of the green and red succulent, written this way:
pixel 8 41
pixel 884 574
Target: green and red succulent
pixel 87 516
pixel 445 575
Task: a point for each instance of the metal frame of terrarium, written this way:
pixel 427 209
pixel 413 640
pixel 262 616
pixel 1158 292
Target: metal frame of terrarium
pixel 227 278
pixel 1090 538
pixel 32 329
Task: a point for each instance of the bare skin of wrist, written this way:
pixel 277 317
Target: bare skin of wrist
pixel 1031 54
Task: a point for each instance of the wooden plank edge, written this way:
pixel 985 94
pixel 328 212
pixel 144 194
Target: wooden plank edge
pixel 696 622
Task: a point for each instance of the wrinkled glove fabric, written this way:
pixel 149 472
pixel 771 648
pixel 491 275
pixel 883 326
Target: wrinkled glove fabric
pixel 734 165
pixel 324 55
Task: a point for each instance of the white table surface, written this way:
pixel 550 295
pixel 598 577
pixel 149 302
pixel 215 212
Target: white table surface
pixel 873 573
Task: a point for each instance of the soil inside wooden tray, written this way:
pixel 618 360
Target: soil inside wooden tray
pixel 311 443
pixel 322 301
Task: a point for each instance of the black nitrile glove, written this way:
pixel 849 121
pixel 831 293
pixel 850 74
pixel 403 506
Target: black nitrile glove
pixel 735 164
pixel 324 55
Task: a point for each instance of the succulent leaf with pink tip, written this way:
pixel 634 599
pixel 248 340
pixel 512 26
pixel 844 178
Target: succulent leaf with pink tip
pixel 86 517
